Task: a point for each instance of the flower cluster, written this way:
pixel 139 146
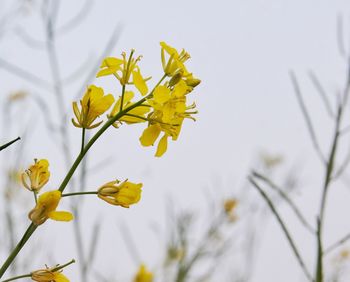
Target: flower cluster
pixel 164 108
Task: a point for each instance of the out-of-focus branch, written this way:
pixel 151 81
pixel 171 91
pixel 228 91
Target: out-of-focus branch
pixel 323 94
pixel 77 19
pixel 25 74
pixel 288 200
pixel 306 117
pixel 284 228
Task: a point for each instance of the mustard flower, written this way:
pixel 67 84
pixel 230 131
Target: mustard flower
pixel 230 206
pixel 49 275
pixel 169 111
pixel 136 115
pixel 120 194
pixel 93 104
pixel 123 69
pixel 143 275
pixel 46 208
pixel 36 176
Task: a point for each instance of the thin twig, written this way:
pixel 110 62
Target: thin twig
pixel 25 74
pixel 286 198
pixel 323 94
pixel 337 244
pixel 77 19
pixel 284 228
pixel 340 35
pixel 306 117
pixel 130 244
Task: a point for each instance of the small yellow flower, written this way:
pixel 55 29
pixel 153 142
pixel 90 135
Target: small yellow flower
pixel 93 104
pixel 46 208
pixel 48 275
pixel 175 63
pixel 143 275
pixel 230 206
pixel 123 69
pixel 123 194
pixel 37 175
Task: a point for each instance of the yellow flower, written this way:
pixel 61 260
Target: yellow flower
pixel 48 275
pixel 230 206
pixel 136 115
pixel 175 63
pixel 93 104
pixel 123 194
pixel 46 208
pixel 143 275
pixel 123 69
pixel 170 110
pixel 37 174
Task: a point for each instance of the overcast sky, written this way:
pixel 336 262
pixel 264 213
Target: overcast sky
pixel 242 51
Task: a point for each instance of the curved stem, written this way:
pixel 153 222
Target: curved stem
pixel 17 277
pixel 79 193
pixel 30 230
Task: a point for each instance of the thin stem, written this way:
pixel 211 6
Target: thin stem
pixel 18 277
pixel 35 197
pixel 287 199
pixel 63 265
pixel 30 230
pixel 82 140
pixel 306 117
pixel 126 80
pixel 337 244
pixel 284 228
pixel 79 193
pixel 9 143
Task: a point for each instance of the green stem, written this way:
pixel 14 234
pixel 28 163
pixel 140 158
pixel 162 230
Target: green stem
pixel 70 173
pixel 82 140
pixel 18 248
pixel 79 193
pixel 63 265
pixel 35 197
pixel 30 274
pixel 9 143
pixel 18 277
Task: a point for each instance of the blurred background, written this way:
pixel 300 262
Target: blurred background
pixel 249 118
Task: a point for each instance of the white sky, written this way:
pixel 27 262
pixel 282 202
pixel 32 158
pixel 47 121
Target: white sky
pixel 242 51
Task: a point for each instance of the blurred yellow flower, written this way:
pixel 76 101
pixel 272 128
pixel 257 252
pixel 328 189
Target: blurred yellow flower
pixel 123 69
pixel 46 208
pixel 36 176
pixel 230 206
pixel 120 194
pixel 93 104
pixel 143 275
pixel 48 275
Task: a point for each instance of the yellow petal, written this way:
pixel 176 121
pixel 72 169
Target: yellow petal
pixel 150 135
pixel 61 216
pixel 59 277
pixel 139 82
pixel 162 146
pixel 161 94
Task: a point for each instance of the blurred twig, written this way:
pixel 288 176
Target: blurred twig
pixel 288 200
pixel 284 228
pixel 306 117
